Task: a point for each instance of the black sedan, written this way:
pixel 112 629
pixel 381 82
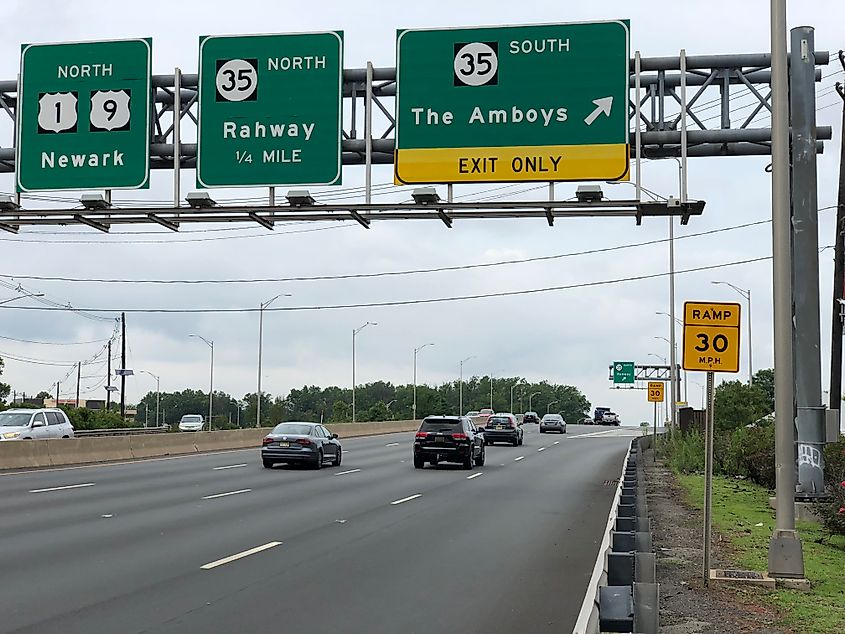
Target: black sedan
pixel 503 428
pixel 307 443
pixel 448 439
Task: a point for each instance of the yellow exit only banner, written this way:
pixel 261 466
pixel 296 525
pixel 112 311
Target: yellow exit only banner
pixel 508 164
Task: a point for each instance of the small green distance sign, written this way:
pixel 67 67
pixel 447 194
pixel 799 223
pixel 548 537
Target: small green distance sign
pixel 270 110
pixel 84 116
pixel 623 371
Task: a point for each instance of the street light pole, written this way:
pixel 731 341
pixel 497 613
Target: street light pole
pixel 261 308
pixel 673 369
pixel 530 397
pixel 549 406
pixel 513 386
pixel 210 344
pixel 416 350
pixel 355 332
pixel 461 387
pixel 158 393
pixel 747 295
pixel 663 359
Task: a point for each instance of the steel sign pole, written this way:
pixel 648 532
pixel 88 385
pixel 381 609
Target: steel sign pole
pixel 786 558
pixel 177 136
pixel 750 363
pixel 368 135
pixel 211 388
pixel 654 434
pixel 810 421
pixel 260 346
pixel 354 334
pixel 708 476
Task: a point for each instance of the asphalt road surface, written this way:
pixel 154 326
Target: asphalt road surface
pixel 216 543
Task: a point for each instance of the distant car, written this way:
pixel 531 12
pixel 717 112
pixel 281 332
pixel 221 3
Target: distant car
pixel 34 424
pixel 484 415
pixel 307 443
pixel 473 414
pixel 587 421
pixel 191 422
pixel 610 418
pixel 448 439
pixel 530 417
pixel 503 428
pixel 553 422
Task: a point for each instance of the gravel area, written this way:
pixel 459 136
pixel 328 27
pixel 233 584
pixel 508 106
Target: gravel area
pixel 686 606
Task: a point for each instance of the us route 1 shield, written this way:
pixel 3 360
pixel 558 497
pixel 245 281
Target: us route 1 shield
pixel 270 110
pixel 84 116
pixel 521 103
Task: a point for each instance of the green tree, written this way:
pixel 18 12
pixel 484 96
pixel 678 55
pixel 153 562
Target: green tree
pixel 5 388
pixel 765 379
pixel 736 404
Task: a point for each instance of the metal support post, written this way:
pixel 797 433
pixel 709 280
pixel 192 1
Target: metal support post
pixel 211 390
pixel 810 421
pixel 108 380
pixel 637 132
pixel 654 434
pixel 708 475
pixel 78 381
pixel 177 136
pixel 368 135
pixel 786 557
pixel 683 65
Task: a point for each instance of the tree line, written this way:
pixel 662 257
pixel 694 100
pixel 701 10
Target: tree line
pixel 375 401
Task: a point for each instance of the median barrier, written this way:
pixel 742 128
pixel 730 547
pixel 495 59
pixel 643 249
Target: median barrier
pixel 18 454
pixel 69 451
pixel 162 445
pixel 25 454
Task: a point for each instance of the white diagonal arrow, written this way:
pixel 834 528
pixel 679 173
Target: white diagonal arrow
pixel 603 106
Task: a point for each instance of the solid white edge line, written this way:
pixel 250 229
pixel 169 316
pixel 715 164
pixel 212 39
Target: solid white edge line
pixel 223 495
pixel 591 596
pixel 474 475
pixel 230 466
pixel 407 499
pixel 519 458
pixel 240 555
pixel 347 472
pixel 63 488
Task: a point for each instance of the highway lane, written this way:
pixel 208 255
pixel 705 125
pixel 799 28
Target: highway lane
pixel 511 548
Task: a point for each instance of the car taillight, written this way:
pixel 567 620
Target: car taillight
pixel 267 440
pixel 459 436
pixel 303 441
pixel 422 434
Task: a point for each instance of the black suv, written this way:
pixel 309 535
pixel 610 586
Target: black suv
pixel 448 439
pixel 531 417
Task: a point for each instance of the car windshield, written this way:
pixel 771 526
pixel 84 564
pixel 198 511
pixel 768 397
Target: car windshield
pixel 295 429
pixel 14 419
pixel 551 417
pixel 192 418
pixel 499 419
pixel 447 426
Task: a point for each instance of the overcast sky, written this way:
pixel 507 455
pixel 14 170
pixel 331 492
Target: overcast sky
pixel 568 336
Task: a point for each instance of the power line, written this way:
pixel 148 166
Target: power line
pixel 347 276
pixel 434 300
pixel 54 343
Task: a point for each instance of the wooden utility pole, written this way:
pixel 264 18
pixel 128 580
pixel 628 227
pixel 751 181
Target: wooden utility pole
pixel 123 365
pixel 838 269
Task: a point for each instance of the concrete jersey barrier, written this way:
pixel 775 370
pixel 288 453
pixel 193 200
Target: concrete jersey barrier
pixel 29 454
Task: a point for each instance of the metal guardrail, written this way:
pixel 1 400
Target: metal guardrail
pixel 120 431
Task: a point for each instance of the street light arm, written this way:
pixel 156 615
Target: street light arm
pixel 210 344
pixel 745 293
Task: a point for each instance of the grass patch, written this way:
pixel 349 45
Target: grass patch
pixel 738 506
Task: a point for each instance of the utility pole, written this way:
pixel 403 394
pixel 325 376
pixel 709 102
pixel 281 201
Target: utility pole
pixel 58 383
pixel 78 379
pixel 786 556
pixel 838 269
pixel 810 421
pixel 123 365
pixel 108 380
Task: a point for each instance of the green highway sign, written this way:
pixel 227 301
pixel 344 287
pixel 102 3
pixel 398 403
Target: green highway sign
pixel 83 119
pixel 270 110
pixel 623 371
pixel 520 103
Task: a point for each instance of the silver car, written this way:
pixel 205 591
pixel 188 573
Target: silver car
pixel 34 424
pixel 553 422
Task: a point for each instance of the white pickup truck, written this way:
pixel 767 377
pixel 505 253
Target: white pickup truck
pixel 610 418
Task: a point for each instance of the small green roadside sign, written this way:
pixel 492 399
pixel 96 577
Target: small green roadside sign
pixel 545 102
pixel 270 110
pixel 623 372
pixel 83 119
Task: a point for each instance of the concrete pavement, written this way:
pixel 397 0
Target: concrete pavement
pixel 216 543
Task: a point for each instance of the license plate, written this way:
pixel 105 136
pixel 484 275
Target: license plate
pixel 499 427
pixel 284 444
pixel 440 439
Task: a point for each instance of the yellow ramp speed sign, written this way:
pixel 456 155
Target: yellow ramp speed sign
pixel 655 392
pixel 711 336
